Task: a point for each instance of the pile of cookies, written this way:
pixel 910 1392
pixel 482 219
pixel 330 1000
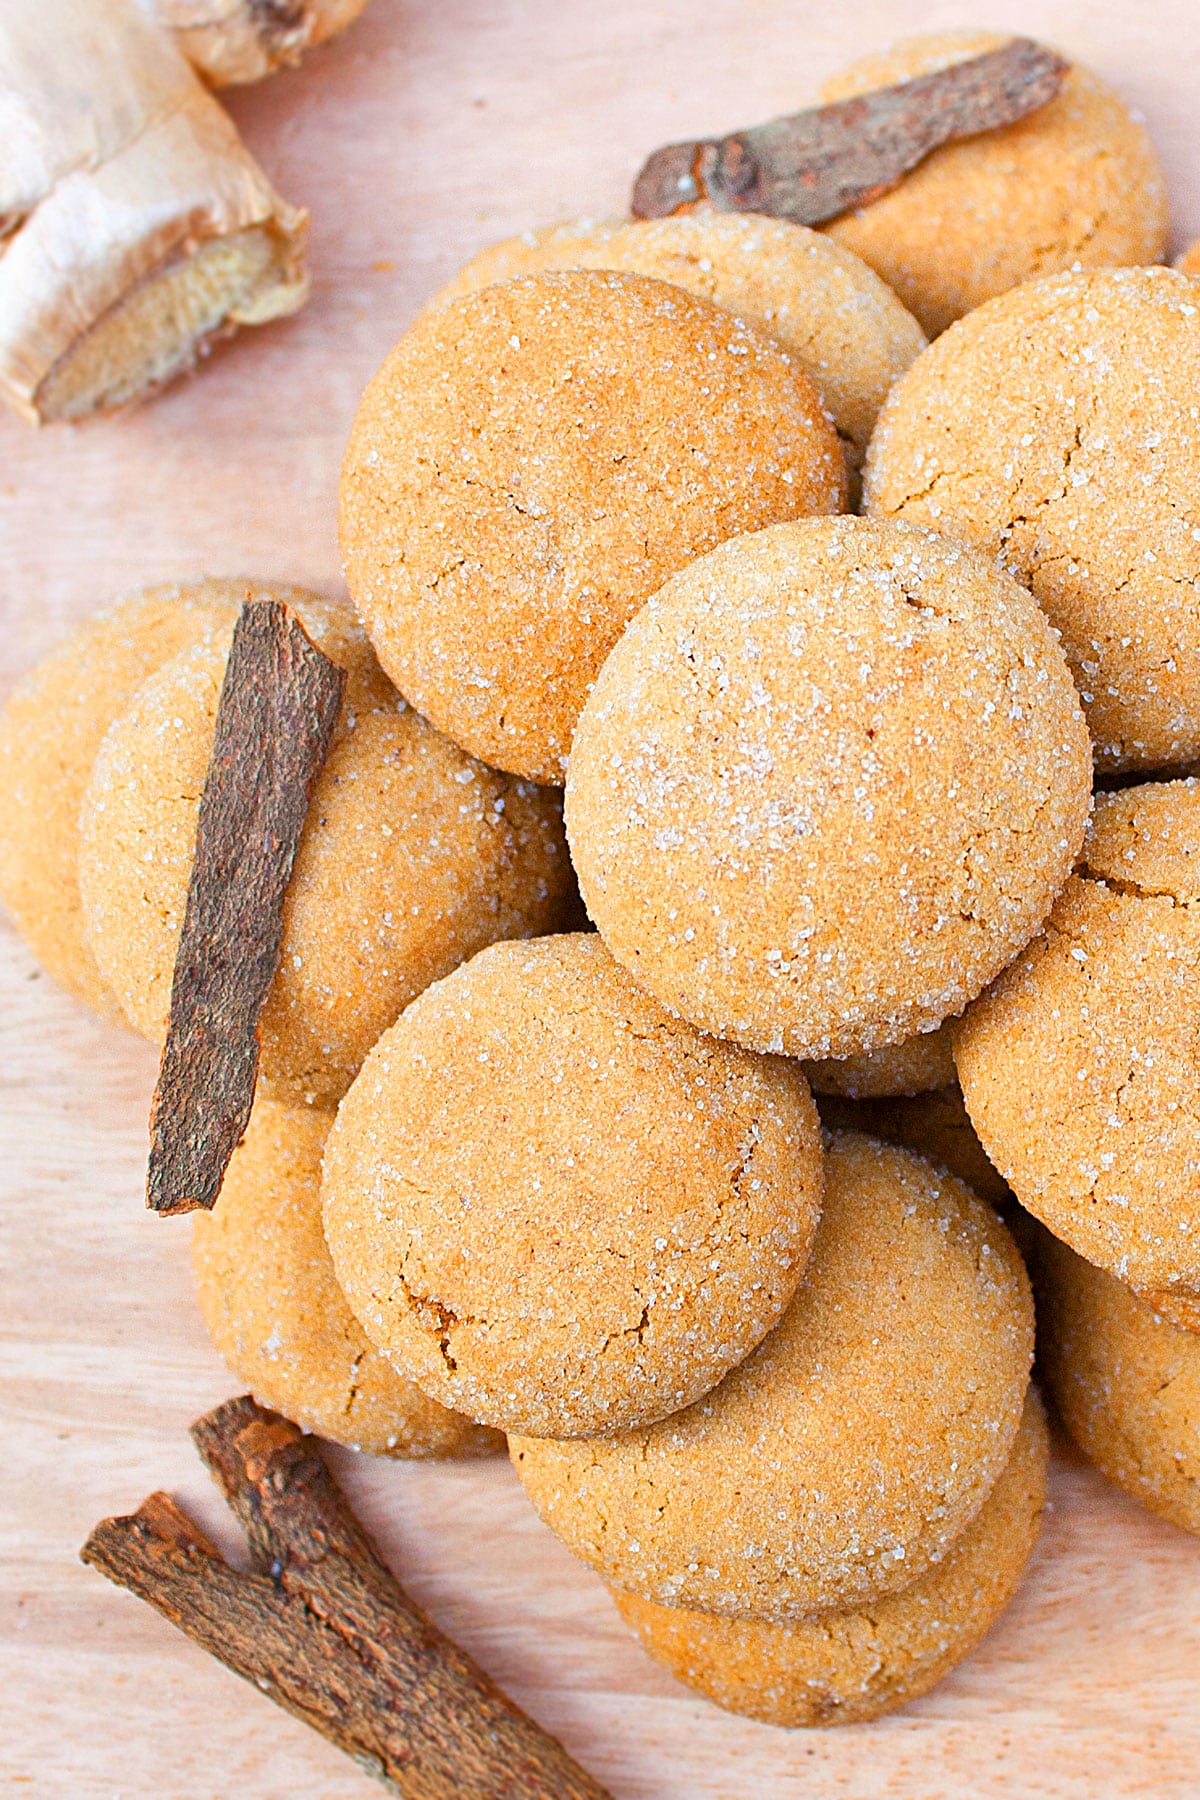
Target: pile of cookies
pixel 825 781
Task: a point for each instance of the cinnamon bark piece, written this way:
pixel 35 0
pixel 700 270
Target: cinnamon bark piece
pixel 322 1626
pixel 810 166
pixel 279 702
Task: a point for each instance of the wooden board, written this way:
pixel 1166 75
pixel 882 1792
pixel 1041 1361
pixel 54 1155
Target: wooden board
pixel 427 131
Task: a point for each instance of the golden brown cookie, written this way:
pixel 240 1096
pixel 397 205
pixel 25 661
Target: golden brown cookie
pixel 413 857
pixel 1081 1066
pixel 559 1209
pixel 1181 1308
pixel 1125 1380
pixel 843 1458
pixel 936 1125
pixel 1075 184
pixel 844 326
pixel 827 785
pixel 49 736
pixel 914 1066
pixel 532 462
pixel 1189 262
pixel 276 1314
pixel 1055 429
pixel 837 1668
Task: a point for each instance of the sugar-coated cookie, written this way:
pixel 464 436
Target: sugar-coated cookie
pixel 839 1668
pixel 50 732
pixel 917 1065
pixel 532 462
pixel 827 785
pixel 413 856
pixel 1057 428
pixel 843 1458
pixel 936 1125
pixel 1076 183
pixel 1079 1066
pixel 844 326
pixel 560 1209
pixel 276 1314
pixel 1125 1380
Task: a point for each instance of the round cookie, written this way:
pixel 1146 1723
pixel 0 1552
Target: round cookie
pixel 1189 262
pixel 1080 1066
pixel 843 1458
pixel 1181 1308
pixel 413 857
pixel 839 1668
pixel 936 1125
pixel 827 785
pixel 50 732
pixel 1056 428
pixel 1075 184
pixel 274 1310
pixel 559 1209
pixel 532 462
pixel 845 327
pixel 914 1066
pixel 1125 1380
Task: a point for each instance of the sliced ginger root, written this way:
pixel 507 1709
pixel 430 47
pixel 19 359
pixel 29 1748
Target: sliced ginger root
pixel 136 229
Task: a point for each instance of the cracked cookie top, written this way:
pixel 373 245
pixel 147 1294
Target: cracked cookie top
pixel 1058 429
pixel 843 1458
pixel 828 784
pixel 275 1312
pixel 532 462
pixel 1076 183
pixel 413 856
pixel 840 1667
pixel 1126 1382
pixel 1080 1067
pixel 558 1208
pixel 844 326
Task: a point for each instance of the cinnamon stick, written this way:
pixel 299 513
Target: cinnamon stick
pixel 812 165
pixel 279 702
pixel 322 1626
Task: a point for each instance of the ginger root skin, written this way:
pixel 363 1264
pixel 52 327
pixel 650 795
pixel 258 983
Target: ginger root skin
pixel 136 229
pixel 231 42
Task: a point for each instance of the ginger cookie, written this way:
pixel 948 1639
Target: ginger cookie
pixel 559 1209
pixel 50 732
pixel 827 785
pixel 529 466
pixel 1180 1308
pixel 1126 1382
pixel 914 1066
pixel 1080 1066
pixel 1189 262
pixel 276 1314
pixel 839 1668
pixel 1056 428
pixel 844 326
pixel 936 1125
pixel 1075 184
pixel 843 1458
pixel 413 857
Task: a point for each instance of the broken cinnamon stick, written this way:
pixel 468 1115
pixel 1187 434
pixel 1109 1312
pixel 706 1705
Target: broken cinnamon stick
pixel 279 701
pixel 812 165
pixel 322 1626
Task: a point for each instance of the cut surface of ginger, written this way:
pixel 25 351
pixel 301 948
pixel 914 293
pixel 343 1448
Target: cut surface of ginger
pixel 163 326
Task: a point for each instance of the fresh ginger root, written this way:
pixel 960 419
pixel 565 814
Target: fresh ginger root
pixel 233 41
pixel 135 227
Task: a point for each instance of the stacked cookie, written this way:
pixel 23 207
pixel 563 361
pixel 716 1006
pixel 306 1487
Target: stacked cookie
pixel 828 781
pixel 828 797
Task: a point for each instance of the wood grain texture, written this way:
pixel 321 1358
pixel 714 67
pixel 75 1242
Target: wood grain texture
pixel 424 133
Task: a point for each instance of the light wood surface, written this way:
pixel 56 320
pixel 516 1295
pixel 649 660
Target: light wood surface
pixel 432 127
